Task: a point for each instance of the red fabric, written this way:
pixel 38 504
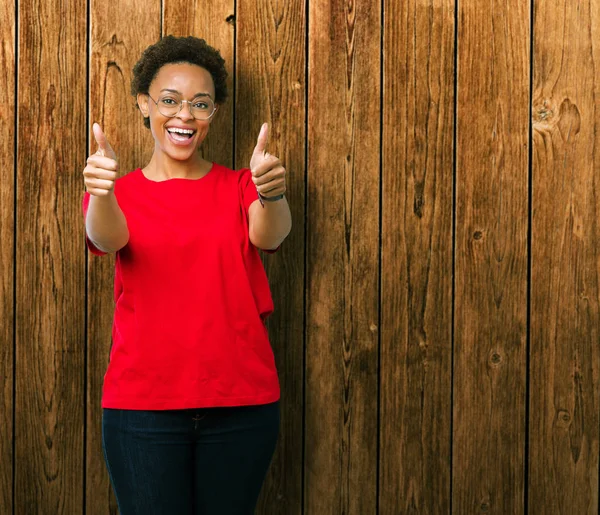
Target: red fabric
pixel 191 296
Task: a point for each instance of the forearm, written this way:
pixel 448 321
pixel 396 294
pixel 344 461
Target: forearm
pixel 271 224
pixel 105 223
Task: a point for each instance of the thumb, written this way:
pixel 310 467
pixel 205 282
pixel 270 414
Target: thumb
pixel 103 144
pixel 263 137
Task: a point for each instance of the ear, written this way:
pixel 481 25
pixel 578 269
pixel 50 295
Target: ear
pixel 142 101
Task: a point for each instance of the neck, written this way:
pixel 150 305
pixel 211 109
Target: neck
pixel 162 167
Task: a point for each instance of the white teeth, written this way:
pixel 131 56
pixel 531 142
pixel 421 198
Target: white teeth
pixel 180 131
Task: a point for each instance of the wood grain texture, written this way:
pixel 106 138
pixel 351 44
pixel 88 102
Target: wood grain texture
pixel 491 258
pixel 7 227
pixel 213 21
pixel 416 262
pixel 117 42
pixel 565 358
pixel 343 257
pixel 50 268
pixel 270 87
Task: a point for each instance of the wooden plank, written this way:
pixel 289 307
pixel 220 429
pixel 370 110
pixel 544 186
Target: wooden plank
pixel 116 45
pixel 416 263
pixel 270 86
pixel 213 21
pixel 491 257
pixel 565 363
pixel 7 221
pixel 343 257
pixel 50 262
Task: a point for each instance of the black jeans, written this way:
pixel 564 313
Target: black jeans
pixel 209 461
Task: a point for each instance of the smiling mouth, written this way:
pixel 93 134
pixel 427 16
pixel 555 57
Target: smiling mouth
pixel 182 135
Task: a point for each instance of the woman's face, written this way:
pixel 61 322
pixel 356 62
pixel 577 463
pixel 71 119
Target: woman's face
pixel 173 83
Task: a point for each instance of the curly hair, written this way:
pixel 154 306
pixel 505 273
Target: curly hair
pixel 171 49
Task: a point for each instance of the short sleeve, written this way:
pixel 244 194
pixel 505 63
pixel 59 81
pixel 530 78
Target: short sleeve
pixel 249 195
pixel 248 188
pixel 93 249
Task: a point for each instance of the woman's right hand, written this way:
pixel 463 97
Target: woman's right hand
pixel 100 173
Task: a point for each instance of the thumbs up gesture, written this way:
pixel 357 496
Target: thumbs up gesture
pixel 268 174
pixel 101 170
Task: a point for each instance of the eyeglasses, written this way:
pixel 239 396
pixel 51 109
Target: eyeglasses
pixel 201 108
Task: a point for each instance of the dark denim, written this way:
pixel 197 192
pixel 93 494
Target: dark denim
pixel 209 461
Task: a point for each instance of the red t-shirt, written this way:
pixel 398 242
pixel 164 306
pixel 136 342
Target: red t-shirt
pixel 191 297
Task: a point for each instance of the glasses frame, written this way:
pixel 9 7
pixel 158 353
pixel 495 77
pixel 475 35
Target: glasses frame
pixel 189 108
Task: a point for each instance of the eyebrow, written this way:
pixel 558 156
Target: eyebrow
pixel 179 93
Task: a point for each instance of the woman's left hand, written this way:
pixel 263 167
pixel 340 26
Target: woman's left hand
pixel 268 174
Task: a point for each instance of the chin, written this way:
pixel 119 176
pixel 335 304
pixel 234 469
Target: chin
pixel 180 156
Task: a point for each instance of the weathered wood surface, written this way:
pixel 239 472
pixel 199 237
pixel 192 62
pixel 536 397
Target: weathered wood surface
pixel 7 261
pixel 565 257
pixel 50 262
pixel 342 313
pixel 490 325
pixel 120 31
pixel 270 87
pixel 416 258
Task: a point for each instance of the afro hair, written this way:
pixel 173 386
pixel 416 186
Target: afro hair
pixel 171 49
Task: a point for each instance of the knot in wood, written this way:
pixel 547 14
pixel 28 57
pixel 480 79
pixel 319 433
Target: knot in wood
pixel 495 358
pixel 563 418
pixel 543 112
pixel 50 100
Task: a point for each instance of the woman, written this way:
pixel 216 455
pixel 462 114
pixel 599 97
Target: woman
pixel 191 395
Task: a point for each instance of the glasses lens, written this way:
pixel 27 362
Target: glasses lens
pixel 202 108
pixel 168 106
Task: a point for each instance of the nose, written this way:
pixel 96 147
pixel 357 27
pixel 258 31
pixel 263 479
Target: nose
pixel 185 113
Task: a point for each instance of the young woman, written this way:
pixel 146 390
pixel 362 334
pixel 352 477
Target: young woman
pixel 191 395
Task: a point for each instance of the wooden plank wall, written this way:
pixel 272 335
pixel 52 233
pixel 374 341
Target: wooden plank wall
pixel 490 310
pixel 437 302
pixel 7 266
pixel 49 330
pixel 416 257
pixel 340 427
pixel 565 207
